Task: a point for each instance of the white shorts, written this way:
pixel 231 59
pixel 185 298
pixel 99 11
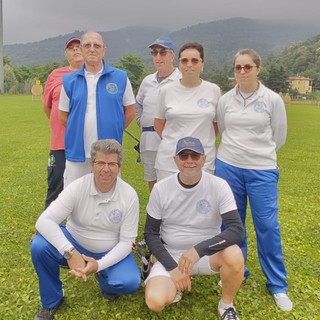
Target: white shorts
pixel 162 174
pixel 148 159
pixel 75 170
pixel 202 267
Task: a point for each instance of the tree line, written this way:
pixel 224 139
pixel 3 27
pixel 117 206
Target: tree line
pixel 298 59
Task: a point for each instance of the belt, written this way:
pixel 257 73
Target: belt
pixel 144 129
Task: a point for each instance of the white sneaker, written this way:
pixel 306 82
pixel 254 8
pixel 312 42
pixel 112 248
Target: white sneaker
pixel 283 301
pixel 178 297
pixel 228 314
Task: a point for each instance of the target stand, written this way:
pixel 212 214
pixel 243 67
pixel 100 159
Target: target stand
pixel 37 91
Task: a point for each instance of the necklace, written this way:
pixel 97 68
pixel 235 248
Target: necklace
pixel 248 97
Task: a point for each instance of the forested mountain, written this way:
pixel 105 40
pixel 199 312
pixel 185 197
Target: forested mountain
pixel 220 39
pixel 223 38
pixel 300 59
pixel 119 43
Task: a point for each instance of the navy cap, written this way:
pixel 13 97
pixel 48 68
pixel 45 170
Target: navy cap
pixel 189 143
pixel 71 40
pixel 165 42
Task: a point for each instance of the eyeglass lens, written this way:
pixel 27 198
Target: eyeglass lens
pixel 102 164
pixel 193 61
pixel 247 68
pixel 185 156
pixel 162 52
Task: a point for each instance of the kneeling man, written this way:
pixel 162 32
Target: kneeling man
pixel 102 213
pixel 183 231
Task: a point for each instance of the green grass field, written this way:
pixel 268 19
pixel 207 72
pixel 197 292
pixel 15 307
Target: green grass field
pixel 24 141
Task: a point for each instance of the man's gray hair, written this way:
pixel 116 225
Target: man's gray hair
pixel 107 146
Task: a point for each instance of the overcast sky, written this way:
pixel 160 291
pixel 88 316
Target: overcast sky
pixel 34 20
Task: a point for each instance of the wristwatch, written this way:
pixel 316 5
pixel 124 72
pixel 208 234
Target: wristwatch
pixel 68 253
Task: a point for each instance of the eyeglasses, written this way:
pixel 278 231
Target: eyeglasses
pixel 246 68
pixel 102 164
pixel 184 156
pixel 88 45
pixel 194 61
pixel 162 52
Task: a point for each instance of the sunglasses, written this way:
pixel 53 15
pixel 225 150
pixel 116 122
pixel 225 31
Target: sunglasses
pixel 194 61
pixel 246 68
pixel 184 156
pixel 162 52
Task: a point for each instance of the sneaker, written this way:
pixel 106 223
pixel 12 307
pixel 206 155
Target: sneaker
pixel 178 297
pixel 228 314
pixel 110 296
pixel 283 301
pixel 48 313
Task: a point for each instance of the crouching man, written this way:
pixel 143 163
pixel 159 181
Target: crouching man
pixel 102 214
pixel 182 231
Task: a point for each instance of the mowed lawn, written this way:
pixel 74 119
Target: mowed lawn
pixel 24 144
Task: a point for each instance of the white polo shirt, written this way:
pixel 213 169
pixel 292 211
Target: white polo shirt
pixel 251 134
pixel 147 99
pixel 98 222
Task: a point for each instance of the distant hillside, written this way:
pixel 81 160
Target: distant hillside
pixel 301 59
pixel 119 43
pixel 220 39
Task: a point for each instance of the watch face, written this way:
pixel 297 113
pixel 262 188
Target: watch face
pixel 68 254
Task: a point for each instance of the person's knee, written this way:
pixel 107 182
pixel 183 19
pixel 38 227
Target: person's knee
pixel 154 301
pixel 38 245
pixel 132 283
pixel 233 258
pixel 160 291
pixel 126 284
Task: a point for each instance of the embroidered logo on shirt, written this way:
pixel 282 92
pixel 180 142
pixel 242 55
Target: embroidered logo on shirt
pixel 115 216
pixel 203 103
pixel 260 107
pixel 203 206
pixel 112 88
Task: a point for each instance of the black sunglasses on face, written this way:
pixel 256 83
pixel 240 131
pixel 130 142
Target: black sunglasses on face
pixel 183 156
